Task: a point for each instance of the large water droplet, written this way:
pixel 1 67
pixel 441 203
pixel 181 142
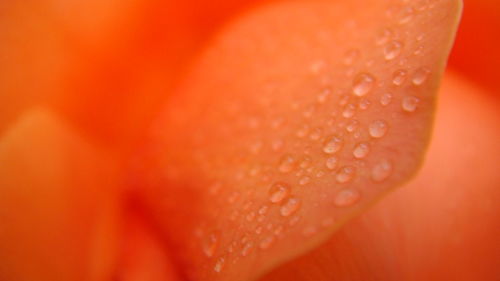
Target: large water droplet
pixel 347 197
pixel 382 170
pixel 399 77
pixel 420 76
pixel 361 150
pixel 362 84
pixel 392 50
pixel 287 164
pixel 278 192
pixel 409 103
pixel 378 129
pixel 332 145
pixel 290 207
pixel 345 174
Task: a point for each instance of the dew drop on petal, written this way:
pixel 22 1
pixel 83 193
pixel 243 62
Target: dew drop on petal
pixel 332 145
pixel 351 56
pixel 219 265
pixel 246 249
pixel 420 76
pixel 392 50
pixel 409 103
pixel 361 150
pixel 266 243
pixel 331 163
pixel 399 77
pixel 378 129
pixel 381 170
pixel 290 207
pixel 287 164
pixel 345 174
pixel 385 99
pixel 278 192
pixel 363 83
pixel 347 197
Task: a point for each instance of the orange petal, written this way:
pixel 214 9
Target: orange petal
pixel 443 225
pixel 58 207
pixel 297 117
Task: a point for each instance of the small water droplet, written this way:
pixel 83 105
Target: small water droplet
pixel 383 36
pixel 331 163
pixel 378 129
pixel 349 111
pixel 294 220
pixel 302 131
pixel 362 84
pixel 278 192
pixel 323 95
pixel 420 76
pixel 287 164
pixel 290 207
pixel 250 216
pixel 382 170
pixel 418 51
pixel 263 210
pixel 315 134
pixel 392 50
pixel 409 103
pixel 364 104
pixel 210 245
pixel 345 174
pixel 361 150
pixel 304 180
pixel 332 145
pixel 385 99
pixel 317 66
pixel 219 265
pixel 267 242
pixel 399 77
pixel 352 126
pixel 347 197
pixel 406 15
pixel 258 230
pixel 246 249
pixel 351 56
pixel 278 230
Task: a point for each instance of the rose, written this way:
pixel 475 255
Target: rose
pixel 64 217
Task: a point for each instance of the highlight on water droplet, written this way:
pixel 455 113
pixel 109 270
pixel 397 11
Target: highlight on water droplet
pixel 361 150
pixel 378 129
pixel 246 249
pixel 331 163
pixel 410 103
pixel 383 36
pixel 210 245
pixel 278 192
pixel 349 111
pixel 392 50
pixel 287 164
pixel 386 99
pixel 420 76
pixel 290 207
pixel 364 104
pixel 263 210
pixel 346 197
pixel 382 170
pixel 219 265
pixel 406 15
pixel 304 180
pixel 345 174
pixel 399 77
pixel 362 84
pixel 332 144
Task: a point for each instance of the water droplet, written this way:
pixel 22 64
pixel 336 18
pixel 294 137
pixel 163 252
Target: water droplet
pixel 219 265
pixel 315 134
pixel 406 15
pixel 287 164
pixel 349 111
pixel 393 50
pixel 305 180
pixel 399 77
pixel 309 231
pixel 410 103
pixel 278 192
pixel 302 131
pixel 267 242
pixel 362 84
pixel 351 56
pixel 323 95
pixel 210 245
pixel 309 111
pixel 278 230
pixel 293 221
pixel 290 207
pixel 420 76
pixel 258 230
pixel 346 197
pixel 364 104
pixel 383 36
pixel 331 163
pixel 378 129
pixel 246 249
pixel 385 99
pixel 263 210
pixel 352 125
pixel 332 145
pixel 361 150
pixel 345 174
pixel 382 170
pixel 250 216
pixel 418 51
